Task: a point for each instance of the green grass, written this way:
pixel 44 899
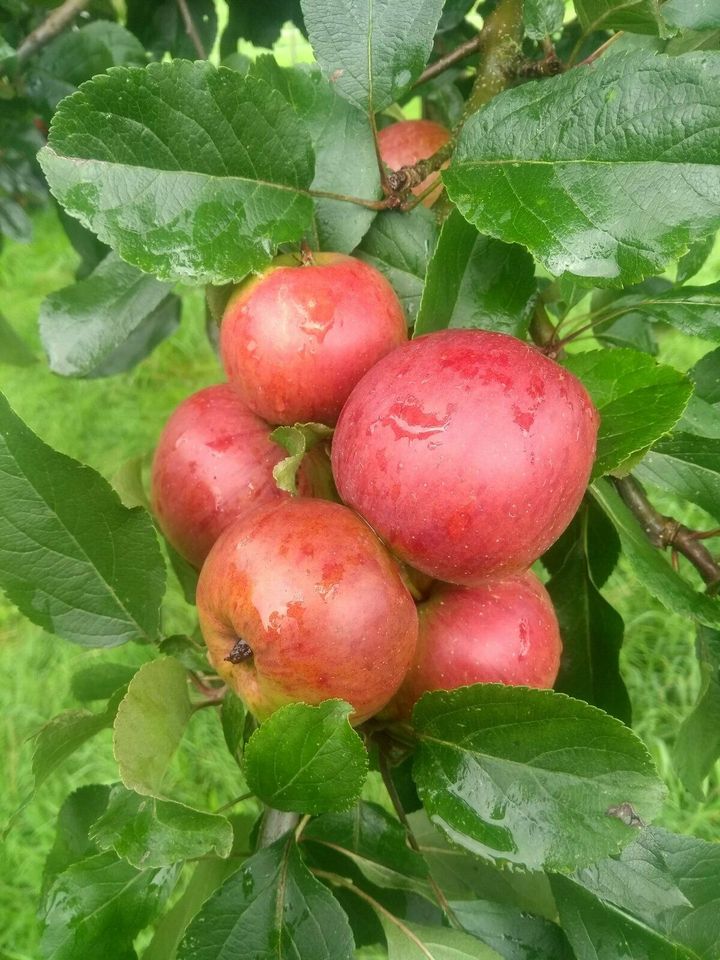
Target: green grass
pixel 105 422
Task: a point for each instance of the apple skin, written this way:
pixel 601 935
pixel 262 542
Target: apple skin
pixel 297 339
pixel 504 631
pixel 468 452
pixel 213 464
pixel 403 144
pixel 318 604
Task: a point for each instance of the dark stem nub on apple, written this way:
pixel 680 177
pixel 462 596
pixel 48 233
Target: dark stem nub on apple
pixel 240 652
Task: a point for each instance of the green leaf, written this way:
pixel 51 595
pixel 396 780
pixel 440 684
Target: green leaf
pixel 400 247
pixel 72 558
pixel 100 680
pixel 345 160
pixel 376 843
pixel 233 715
pixel 14 221
pixel 706 376
pixel 650 566
pixel 579 167
pixel 158 833
pixel 297 441
pixel 697 745
pixel 83 326
pixel 687 466
pixel 639 401
pixel 529 777
pixel 514 934
pixel 694 259
pixel 700 418
pixel 592 630
pixel 369 49
pixel 692 310
pixel 307 758
pixel 99 905
pixel 169 175
pixel 635 16
pixel 13 349
pixel 543 17
pixel 475 281
pixel 160 26
pixel 272 907
pixel 261 25
pixel 150 723
pixel 72 841
pixel 692 14
pixel 413 941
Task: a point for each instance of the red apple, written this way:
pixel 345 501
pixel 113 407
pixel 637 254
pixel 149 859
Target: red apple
pixel 297 339
pixel 213 464
pixel 403 144
pixel 301 602
pixel 467 451
pixel 504 631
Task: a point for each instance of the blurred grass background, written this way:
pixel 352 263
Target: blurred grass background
pixel 106 422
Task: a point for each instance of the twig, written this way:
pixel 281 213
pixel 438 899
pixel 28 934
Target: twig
pixel 52 25
pixel 465 50
pixel 233 803
pixel 191 29
pixel 664 532
pixel 600 50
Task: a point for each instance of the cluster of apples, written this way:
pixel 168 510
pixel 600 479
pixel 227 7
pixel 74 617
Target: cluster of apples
pixel 458 458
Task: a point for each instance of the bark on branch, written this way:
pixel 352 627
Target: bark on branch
pixel 52 25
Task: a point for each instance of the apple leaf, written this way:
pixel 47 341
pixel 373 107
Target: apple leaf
pixel 687 466
pixel 652 569
pixel 307 758
pixel 370 49
pixel 634 16
pixel 72 558
pixel 692 14
pixel 297 440
pixel 514 934
pixel 414 941
pixel 345 160
pixel 272 906
pixel 72 841
pixel 639 401
pixel 102 901
pixel 168 176
pixel 400 247
pixel 694 259
pixel 692 310
pixel 579 167
pixel 14 221
pixel 376 843
pixel 13 350
pixel 475 281
pixel 529 777
pixel 706 376
pixel 86 327
pixel 543 17
pixel 148 832
pixel 150 723
pixel 161 28
pixel 100 680
pixel 697 745
pixel 233 715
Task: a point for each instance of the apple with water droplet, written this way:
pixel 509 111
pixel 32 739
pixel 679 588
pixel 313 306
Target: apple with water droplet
pixel 213 463
pixel 301 602
pixel 467 451
pixel 504 631
pixel 296 339
pixel 402 144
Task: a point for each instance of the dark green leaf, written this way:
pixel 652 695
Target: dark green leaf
pixel 72 842
pixel 529 777
pixel 83 326
pixel 261 25
pixel 307 758
pixel 639 401
pixel 543 17
pixel 706 376
pixel 272 906
pixel 100 681
pixel 185 572
pixel 169 175
pixel 233 716
pixel 579 167
pixel 72 558
pixel 413 941
pixel 345 159
pixel 635 16
pixel 369 49
pixel 376 843
pixel 13 349
pixel 157 833
pixel 694 259
pixel 692 14
pixel 14 221
pixel 84 242
pixel 400 247
pixel 475 281
pixel 688 466
pixel 513 934
pixel 697 746
pixel 592 631
pixel 151 330
pixel 159 25
pixel 99 905
pixel 700 418
pixel 297 441
pixel 692 310
pixel 150 723
pixel 650 566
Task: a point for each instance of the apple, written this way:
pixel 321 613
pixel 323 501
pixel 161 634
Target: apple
pixel 213 464
pixel 403 144
pixel 301 602
pixel 296 339
pixel 504 631
pixel 468 452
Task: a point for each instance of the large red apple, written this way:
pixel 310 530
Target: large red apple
pixel 301 602
pixel 467 451
pixel 504 631
pixel 403 144
pixel 213 464
pixel 298 338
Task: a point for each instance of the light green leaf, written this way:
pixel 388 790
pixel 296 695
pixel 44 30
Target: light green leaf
pixel 697 746
pixel 706 376
pixel 694 259
pixel 233 715
pixel 635 16
pixel 543 17
pixel 297 440
pixel 100 680
pixel 579 168
pixel 692 14
pixel 692 310
pixel 413 941
pixel 13 349
pixel 688 466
